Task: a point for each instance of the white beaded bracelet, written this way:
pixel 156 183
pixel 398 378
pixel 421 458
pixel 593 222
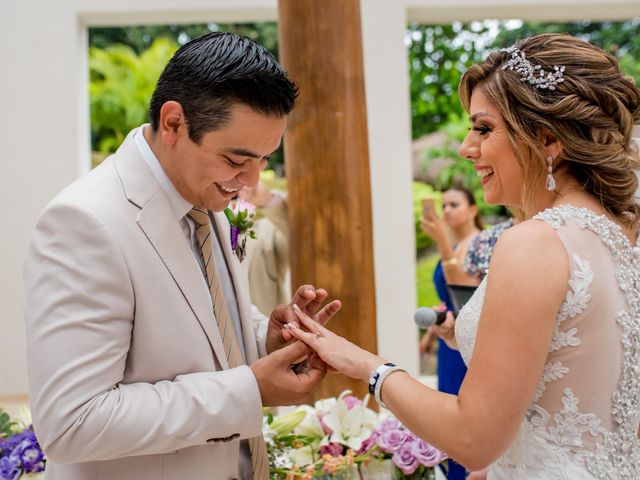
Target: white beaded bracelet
pixel 377 378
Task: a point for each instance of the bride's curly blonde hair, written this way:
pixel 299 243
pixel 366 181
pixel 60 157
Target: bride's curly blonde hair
pixel 592 113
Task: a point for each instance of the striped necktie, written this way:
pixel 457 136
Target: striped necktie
pixel 204 231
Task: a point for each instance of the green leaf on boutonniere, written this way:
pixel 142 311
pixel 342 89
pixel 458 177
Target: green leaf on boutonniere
pixel 230 216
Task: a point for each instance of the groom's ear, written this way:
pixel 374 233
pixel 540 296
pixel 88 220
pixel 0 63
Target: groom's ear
pixel 172 122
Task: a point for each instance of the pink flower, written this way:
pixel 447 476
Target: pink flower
pixel 391 440
pixel 369 443
pixel 389 424
pixel 351 401
pixel 332 448
pixel 404 458
pixel 426 454
pixel 240 205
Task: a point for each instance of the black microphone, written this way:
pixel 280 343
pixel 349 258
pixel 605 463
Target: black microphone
pixel 425 317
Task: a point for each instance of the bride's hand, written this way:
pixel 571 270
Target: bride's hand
pixel 334 350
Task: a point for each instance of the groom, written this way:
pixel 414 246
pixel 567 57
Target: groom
pixel 146 359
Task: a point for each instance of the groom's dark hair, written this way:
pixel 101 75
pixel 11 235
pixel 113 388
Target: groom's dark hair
pixel 214 72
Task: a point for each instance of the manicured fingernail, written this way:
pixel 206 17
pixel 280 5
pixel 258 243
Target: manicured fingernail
pixel 296 308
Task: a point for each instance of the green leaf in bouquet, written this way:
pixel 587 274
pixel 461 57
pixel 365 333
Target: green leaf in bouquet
pixel 6 424
pixel 303 440
pixel 286 423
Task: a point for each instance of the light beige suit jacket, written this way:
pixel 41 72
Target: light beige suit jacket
pixel 268 259
pixel 127 373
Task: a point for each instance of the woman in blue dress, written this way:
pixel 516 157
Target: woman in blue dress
pixel 452 233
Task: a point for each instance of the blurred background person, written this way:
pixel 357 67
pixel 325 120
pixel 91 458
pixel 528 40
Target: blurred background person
pixel 452 233
pixel 268 254
pixel 476 260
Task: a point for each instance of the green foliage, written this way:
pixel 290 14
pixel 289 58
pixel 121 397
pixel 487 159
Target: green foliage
pixel 427 295
pixel 438 56
pixel 121 84
pixel 631 66
pixel 140 37
pixel 7 425
pixel 273 181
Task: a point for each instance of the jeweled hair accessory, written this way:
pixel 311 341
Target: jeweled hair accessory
pixel 534 74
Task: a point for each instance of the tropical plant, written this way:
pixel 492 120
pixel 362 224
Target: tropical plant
pixel 121 84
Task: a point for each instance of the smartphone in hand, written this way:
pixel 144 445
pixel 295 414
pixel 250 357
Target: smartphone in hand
pixel 429 206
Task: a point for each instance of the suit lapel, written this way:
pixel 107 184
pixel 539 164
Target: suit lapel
pixel 158 222
pixel 240 284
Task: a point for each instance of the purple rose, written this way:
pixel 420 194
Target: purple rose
pixel 9 443
pixel 235 231
pixel 389 424
pixel 426 454
pixel 351 401
pixel 391 440
pixel 9 469
pixel 369 443
pixel 332 448
pixel 30 455
pixel 404 458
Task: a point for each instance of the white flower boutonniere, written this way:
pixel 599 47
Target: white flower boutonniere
pixel 241 218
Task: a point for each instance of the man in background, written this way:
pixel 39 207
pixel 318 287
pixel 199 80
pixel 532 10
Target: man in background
pixel 268 256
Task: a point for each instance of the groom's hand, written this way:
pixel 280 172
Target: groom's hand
pixel 279 382
pixel 310 300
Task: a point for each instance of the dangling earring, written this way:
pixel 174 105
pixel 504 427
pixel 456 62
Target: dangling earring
pixel 551 182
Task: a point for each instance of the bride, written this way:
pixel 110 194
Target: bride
pixel 552 335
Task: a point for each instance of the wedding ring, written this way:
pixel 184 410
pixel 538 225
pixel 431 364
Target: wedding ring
pixel 318 336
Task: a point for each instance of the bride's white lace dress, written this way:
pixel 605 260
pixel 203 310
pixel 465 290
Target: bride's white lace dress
pixel 582 422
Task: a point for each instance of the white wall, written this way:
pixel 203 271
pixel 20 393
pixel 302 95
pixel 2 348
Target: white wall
pixel 389 129
pixel 44 130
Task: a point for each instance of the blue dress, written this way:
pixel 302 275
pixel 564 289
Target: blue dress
pixel 451 368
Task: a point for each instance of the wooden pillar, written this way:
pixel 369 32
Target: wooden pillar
pixel 327 167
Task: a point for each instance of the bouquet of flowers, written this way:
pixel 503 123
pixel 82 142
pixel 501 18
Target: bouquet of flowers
pixel 20 453
pixel 340 438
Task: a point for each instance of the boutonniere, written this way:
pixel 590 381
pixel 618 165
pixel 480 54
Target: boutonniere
pixel 241 218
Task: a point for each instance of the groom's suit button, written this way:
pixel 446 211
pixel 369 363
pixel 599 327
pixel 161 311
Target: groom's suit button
pixel 224 439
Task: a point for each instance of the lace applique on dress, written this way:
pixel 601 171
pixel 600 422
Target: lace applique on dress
pixel 617 455
pixel 575 302
pixel 578 295
pixel 568 443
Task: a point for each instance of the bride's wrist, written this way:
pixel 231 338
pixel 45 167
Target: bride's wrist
pixel 369 365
